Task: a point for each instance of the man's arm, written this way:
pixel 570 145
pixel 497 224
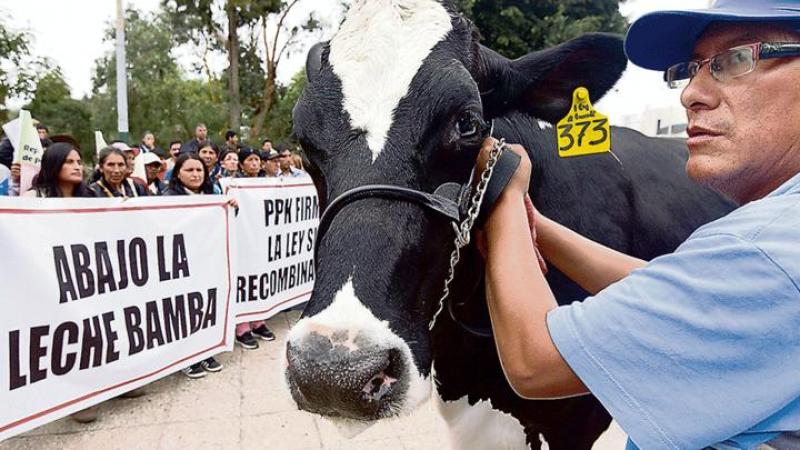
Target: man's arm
pixel 589 264
pixel 520 298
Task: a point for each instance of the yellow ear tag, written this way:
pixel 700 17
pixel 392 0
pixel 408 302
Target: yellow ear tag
pixel 583 131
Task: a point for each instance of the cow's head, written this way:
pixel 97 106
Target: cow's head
pixel 401 96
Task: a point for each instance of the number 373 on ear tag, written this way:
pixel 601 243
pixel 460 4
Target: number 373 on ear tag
pixel 583 131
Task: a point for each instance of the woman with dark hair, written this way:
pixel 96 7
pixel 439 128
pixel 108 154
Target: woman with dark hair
pixel 190 177
pixel 61 174
pixel 114 180
pixel 229 161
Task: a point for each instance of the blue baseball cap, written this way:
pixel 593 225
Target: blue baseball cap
pixel 662 38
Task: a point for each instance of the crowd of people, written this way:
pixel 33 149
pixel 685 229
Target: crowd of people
pixel 194 167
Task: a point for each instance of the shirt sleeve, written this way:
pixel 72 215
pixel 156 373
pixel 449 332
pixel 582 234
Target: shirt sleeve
pixel 691 350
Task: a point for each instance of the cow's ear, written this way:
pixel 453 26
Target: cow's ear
pixel 541 83
pixel 314 60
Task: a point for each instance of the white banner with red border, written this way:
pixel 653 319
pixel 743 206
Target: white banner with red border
pixel 276 226
pixel 101 296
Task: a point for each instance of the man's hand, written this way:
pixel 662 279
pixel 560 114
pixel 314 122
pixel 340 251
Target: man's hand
pixel 518 184
pixel 521 180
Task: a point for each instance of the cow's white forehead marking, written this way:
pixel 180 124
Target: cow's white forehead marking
pixel 376 53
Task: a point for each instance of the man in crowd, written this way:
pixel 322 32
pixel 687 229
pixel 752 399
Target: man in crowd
pixel 698 348
pixel 286 163
pixel 232 141
pixel 174 152
pixel 271 163
pixel 266 145
pixel 200 137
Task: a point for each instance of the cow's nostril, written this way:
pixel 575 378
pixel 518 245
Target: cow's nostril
pixel 378 387
pixel 381 385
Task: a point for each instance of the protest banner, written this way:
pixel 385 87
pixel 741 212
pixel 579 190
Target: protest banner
pixel 99 142
pixel 101 296
pixel 27 147
pixel 277 223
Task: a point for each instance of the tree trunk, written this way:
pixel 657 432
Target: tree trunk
pixel 234 105
pixel 267 100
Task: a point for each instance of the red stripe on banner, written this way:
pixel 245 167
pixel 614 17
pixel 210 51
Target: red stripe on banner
pixel 228 253
pixel 274 306
pixel 110 209
pixel 92 394
pixel 267 186
pixel 35 416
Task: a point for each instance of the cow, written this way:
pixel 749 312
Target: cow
pixel 403 95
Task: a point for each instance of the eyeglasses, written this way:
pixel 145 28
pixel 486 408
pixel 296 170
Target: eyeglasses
pixel 731 63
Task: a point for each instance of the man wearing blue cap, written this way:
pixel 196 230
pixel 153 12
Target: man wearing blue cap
pixel 699 348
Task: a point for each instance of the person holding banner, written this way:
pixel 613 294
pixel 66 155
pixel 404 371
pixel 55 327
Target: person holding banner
pixel 61 174
pixel 190 177
pixel 114 181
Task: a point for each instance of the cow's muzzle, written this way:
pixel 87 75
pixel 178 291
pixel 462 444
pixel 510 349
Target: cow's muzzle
pixel 339 376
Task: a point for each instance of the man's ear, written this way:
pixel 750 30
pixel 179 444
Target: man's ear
pixel 541 83
pixel 314 60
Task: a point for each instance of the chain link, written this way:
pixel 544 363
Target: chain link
pixel 464 229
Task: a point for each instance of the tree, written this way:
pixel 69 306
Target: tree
pixel 19 70
pixel 279 122
pixel 161 100
pixel 517 27
pixel 54 107
pixel 199 22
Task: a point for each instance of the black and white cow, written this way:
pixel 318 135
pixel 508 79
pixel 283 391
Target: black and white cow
pixel 398 97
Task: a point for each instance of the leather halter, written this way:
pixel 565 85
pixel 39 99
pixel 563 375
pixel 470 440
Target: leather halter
pixel 448 202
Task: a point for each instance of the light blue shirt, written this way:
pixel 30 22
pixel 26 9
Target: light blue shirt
pixel 702 346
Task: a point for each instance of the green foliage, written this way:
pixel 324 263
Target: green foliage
pixel 20 80
pixel 279 122
pixel 160 99
pixel 517 27
pixel 54 107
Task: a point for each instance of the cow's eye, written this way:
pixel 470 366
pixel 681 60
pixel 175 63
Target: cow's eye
pixel 468 125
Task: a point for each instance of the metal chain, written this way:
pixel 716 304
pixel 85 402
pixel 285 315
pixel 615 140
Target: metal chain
pixel 464 229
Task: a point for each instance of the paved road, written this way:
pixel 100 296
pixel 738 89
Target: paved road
pixel 242 407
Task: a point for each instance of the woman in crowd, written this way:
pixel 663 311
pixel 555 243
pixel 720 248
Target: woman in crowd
pixel 246 332
pixel 250 163
pixel 114 180
pixel 61 174
pixel 209 154
pixel 190 177
pixel 230 164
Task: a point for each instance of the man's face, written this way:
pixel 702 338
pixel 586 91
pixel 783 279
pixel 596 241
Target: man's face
pixel 744 134
pixel 267 146
pixel 174 149
pixel 286 160
pixel 42 133
pixel 271 167
pixel 233 140
pixel 152 170
pixel 200 133
pixel 149 140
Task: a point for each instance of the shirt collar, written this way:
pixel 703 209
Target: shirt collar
pixel 789 187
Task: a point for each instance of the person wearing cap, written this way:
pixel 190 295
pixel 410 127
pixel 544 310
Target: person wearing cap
pixel 699 348
pixel 270 161
pixel 250 163
pixel 152 167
